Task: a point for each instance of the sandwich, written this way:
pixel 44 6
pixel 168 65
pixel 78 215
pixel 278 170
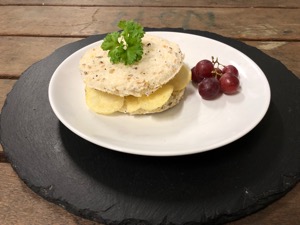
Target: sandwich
pixel 154 83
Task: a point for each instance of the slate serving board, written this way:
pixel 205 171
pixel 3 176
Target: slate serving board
pixel 117 188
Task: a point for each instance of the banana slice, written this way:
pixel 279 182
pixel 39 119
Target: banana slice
pixel 182 78
pixel 156 99
pixel 101 102
pixel 132 104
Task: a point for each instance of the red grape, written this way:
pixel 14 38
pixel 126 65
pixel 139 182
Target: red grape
pixel 203 69
pixel 195 77
pixel 209 88
pixel 213 81
pixel 229 83
pixel 231 69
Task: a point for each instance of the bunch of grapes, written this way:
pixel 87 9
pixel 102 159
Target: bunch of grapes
pixel 214 78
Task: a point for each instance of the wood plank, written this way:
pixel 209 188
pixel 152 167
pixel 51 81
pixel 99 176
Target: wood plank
pixel 191 3
pixel 5 87
pixel 252 23
pixel 18 53
pixel 20 205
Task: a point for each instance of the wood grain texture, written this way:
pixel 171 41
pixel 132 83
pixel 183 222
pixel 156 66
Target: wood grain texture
pixel 168 3
pixel 252 23
pixel 18 53
pixel 19 205
pixel 5 87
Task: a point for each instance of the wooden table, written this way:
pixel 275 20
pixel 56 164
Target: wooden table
pixel 31 31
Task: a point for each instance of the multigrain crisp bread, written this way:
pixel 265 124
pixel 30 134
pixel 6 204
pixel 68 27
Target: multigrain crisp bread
pixel 160 62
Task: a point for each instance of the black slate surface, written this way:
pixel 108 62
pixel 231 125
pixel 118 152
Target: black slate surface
pixel 116 188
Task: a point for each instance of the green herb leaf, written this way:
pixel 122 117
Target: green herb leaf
pixel 126 46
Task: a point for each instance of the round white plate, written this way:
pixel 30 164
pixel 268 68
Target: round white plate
pixel 194 125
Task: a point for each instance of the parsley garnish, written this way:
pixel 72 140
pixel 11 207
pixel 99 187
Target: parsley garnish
pixel 126 46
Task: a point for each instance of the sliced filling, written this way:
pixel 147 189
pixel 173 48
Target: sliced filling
pixel 105 103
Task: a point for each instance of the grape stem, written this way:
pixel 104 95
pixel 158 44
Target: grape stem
pixel 214 62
